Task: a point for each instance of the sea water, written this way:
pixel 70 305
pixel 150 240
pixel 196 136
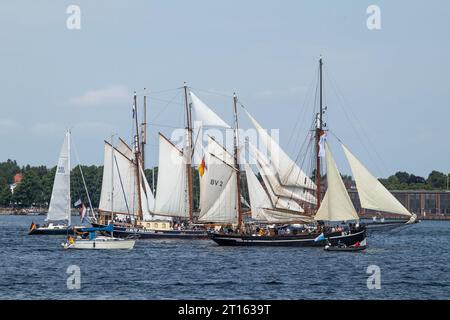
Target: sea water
pixel 409 263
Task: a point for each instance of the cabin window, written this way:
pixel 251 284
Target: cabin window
pixel 156 225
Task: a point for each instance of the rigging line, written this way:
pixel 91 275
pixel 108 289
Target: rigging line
pixel 171 101
pixel 335 135
pixel 82 177
pixel 302 115
pixel 167 101
pixel 121 183
pixel 148 93
pixel 342 103
pixel 163 125
pixel 216 93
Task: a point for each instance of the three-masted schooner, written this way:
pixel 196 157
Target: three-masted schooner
pixel 127 199
pixel 287 188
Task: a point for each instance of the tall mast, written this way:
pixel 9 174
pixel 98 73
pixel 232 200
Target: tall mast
pixel 144 130
pixel 319 130
pixel 189 151
pixel 112 178
pixel 137 159
pixel 236 161
pixel 68 168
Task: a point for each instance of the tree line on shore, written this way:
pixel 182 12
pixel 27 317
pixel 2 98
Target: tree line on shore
pixel 35 188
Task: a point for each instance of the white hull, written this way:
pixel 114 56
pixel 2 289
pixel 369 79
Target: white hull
pixel 100 243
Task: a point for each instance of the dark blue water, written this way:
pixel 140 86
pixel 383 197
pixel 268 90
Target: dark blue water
pixel 414 264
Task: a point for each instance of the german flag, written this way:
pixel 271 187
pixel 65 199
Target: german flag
pixel 202 167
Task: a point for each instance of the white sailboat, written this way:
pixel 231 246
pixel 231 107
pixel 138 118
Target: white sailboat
pixel 58 219
pixel 88 240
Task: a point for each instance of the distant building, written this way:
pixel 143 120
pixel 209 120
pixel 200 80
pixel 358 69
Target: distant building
pixel 17 179
pixel 426 203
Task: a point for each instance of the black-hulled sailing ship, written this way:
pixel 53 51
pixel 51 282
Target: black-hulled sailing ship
pixel 276 207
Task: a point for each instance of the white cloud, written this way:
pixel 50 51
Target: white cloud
pixel 114 95
pixel 7 125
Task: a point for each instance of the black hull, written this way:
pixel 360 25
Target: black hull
pixel 289 240
pixel 123 232
pixel 52 232
pixel 387 225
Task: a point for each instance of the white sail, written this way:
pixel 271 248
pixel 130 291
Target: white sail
pixel 291 192
pixel 261 206
pixel 289 173
pixel 219 151
pixel 277 216
pixel 336 205
pixel 119 190
pixel 125 149
pixel 372 194
pixel 171 194
pixel 278 201
pixel 224 208
pixel 205 115
pixel 216 175
pixel 59 208
pixel 258 196
pixel 218 185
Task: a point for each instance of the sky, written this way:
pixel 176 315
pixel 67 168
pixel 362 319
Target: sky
pixel 394 82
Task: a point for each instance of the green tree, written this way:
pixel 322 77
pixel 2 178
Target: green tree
pixel 437 180
pixel 5 196
pixel 29 191
pixel 93 176
pixel 7 171
pixel 403 177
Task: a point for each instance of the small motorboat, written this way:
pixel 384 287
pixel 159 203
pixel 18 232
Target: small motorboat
pixel 97 242
pixel 358 246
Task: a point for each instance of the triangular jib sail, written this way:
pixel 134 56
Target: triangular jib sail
pixel 336 205
pixel 205 115
pixel 372 194
pixel 59 208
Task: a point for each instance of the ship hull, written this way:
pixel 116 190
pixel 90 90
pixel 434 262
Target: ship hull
pixel 387 225
pixel 58 231
pixel 100 244
pixel 124 232
pixel 289 240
